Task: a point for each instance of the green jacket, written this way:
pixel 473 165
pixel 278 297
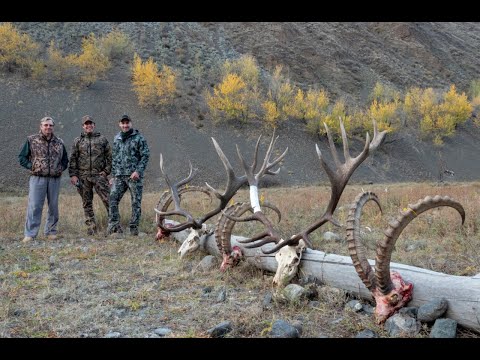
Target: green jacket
pixel 90 155
pixel 129 154
pixel 44 157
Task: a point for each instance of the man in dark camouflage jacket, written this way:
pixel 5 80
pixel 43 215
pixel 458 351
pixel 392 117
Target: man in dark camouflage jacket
pixel 45 156
pixel 90 164
pixel 130 158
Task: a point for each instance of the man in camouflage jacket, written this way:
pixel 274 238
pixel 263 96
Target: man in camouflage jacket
pixel 90 164
pixel 45 156
pixel 130 158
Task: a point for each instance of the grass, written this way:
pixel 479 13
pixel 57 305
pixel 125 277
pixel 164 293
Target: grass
pixel 80 286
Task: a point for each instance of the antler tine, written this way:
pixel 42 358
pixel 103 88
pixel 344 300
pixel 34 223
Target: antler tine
pixel 338 178
pixel 267 165
pixel 378 137
pixel 233 184
pixel 176 200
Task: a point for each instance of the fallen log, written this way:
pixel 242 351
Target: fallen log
pixel 461 292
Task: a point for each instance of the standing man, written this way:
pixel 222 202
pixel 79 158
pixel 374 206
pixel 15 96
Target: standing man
pixel 90 164
pixel 130 158
pixel 45 156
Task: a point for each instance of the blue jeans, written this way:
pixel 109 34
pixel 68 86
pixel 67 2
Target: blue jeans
pixel 39 188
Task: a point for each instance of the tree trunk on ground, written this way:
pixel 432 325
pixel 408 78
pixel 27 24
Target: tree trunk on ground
pixel 461 292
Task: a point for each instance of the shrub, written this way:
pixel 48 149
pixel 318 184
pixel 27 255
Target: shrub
pixel 245 67
pixel 332 120
pixel 115 45
pixel 92 63
pixel 229 98
pixel 153 87
pixel 440 119
pixel 17 51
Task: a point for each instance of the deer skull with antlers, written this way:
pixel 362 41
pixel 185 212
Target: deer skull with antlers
pixel 338 180
pixel 231 256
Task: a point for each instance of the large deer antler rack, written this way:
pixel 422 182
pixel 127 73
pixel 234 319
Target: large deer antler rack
pixel 234 183
pixel 338 178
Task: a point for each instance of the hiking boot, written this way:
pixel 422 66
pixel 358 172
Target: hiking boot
pixel 115 232
pixel 91 231
pixel 27 239
pixel 134 231
pixel 52 237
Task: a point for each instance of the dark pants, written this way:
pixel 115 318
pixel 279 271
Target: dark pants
pixel 88 183
pixel 120 185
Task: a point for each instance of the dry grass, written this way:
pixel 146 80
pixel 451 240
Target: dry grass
pixel 79 286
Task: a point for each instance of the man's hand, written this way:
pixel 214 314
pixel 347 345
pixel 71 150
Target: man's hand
pixel 74 180
pixel 110 182
pixel 135 176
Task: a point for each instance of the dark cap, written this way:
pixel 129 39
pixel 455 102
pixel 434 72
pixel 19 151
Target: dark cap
pixel 125 117
pixel 87 118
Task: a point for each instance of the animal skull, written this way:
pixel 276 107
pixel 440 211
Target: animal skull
pixel 192 242
pixel 288 259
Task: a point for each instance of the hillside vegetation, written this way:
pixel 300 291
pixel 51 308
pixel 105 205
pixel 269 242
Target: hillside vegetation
pixel 185 82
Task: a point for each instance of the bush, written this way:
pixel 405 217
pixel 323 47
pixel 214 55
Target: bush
pixel 153 87
pixel 115 45
pixel 229 99
pixel 17 51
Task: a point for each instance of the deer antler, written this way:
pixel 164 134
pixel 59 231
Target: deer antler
pixel 388 289
pixel 338 179
pixel 233 184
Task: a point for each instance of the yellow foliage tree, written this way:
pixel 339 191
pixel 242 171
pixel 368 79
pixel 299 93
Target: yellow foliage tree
pixel 245 67
pixel 309 107
pixel 271 112
pixel 153 87
pixel 17 50
pixel 229 99
pixel 115 45
pixel 57 64
pixel 280 93
pixel 440 119
pixel 91 62
pixel 384 114
pixel 337 112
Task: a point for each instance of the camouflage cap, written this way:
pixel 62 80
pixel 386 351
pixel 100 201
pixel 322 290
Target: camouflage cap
pixel 125 117
pixel 87 118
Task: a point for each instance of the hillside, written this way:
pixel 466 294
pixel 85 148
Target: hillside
pixel 344 58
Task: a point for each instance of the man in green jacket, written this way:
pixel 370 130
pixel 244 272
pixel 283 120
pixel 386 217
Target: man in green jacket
pixel 129 160
pixel 45 156
pixel 90 164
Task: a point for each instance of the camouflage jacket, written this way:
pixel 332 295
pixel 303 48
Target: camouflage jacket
pixel 44 157
pixel 90 155
pixel 129 154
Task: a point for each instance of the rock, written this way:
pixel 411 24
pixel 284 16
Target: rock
pixel 294 293
pixel 162 331
pixel 207 263
pixel 432 310
pixel 367 333
pixel 282 329
pixel 444 328
pixel 114 334
pixel 220 330
pixel 401 325
pixel 222 295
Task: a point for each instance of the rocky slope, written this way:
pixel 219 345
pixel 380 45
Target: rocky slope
pixel 344 58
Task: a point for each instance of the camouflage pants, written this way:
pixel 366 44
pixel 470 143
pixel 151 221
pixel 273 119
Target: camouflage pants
pixel 88 183
pixel 120 185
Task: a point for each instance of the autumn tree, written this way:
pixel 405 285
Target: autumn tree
pixel 17 51
pixel 153 87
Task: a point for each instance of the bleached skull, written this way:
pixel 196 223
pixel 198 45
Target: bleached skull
pixel 192 242
pixel 288 259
